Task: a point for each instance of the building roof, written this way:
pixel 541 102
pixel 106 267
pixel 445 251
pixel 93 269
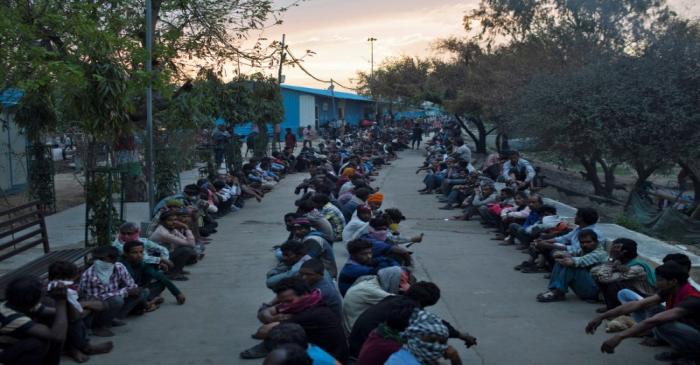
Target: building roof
pixel 10 97
pixel 326 93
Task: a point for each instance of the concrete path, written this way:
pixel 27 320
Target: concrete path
pixel 482 294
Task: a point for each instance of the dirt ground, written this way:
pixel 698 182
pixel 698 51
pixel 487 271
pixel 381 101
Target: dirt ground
pixel 69 191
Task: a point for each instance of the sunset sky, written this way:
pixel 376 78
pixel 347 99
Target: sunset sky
pixel 337 32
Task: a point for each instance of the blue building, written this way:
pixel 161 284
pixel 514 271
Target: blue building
pixel 305 106
pixel 13 145
pixel 317 107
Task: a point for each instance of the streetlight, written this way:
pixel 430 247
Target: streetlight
pixel 371 41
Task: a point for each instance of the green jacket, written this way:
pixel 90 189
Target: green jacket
pixel 143 274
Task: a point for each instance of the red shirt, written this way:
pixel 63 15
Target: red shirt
pixel 376 350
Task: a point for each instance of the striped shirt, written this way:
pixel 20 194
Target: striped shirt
pixel 593 258
pixel 13 326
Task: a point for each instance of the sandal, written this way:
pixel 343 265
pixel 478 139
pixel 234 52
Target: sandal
pixel 533 270
pixel 151 308
pixel 668 356
pixel 256 352
pixel 550 296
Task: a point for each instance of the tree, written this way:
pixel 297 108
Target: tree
pixel 398 81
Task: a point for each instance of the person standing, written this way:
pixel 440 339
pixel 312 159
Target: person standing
pixel 307 134
pixel 290 140
pixel 417 136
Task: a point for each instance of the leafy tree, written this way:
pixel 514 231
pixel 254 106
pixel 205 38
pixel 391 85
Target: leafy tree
pixel 398 80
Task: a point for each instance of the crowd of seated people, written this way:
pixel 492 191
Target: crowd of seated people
pixel 369 309
pixel 664 307
pixel 42 320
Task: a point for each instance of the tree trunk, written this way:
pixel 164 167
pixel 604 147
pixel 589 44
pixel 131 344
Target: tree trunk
pixel 479 138
pixel 643 173
pixel 590 165
pixel 609 177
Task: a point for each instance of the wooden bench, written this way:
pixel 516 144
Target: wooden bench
pixel 22 228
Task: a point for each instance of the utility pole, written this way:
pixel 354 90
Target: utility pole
pixel 276 134
pixel 149 108
pixel 283 54
pixel 371 41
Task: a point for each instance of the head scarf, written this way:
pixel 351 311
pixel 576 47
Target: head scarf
pixel 375 198
pixel 424 323
pixel 379 235
pixel 390 279
pixel 302 222
pixel 305 302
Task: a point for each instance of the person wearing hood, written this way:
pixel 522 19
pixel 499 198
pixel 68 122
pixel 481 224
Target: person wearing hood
pixel 425 342
pixel 317 244
pixel 358 225
pixel 370 290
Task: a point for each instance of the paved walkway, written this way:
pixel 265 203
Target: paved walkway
pixel 482 294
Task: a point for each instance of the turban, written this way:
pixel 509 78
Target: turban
pixel 348 172
pixel 376 198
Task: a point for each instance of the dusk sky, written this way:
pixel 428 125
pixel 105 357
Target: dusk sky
pixel 337 32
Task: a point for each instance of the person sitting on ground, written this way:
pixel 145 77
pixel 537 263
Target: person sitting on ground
pixel 421 294
pixel 293 256
pixel 109 281
pixel 307 209
pixel 77 344
pixel 491 213
pixel 288 355
pixel 462 151
pixel 394 217
pixel 385 339
pixel 375 201
pixel 23 341
pixel 384 252
pixel 359 264
pixel 153 254
pixel 293 334
pixel 314 274
pixel 370 290
pixel 624 271
pixel 148 277
pixel 518 213
pixel 626 295
pixel 678 324
pixel 586 218
pixel 317 245
pixel 483 195
pixel 331 213
pixel 358 224
pixel 425 342
pixel 296 303
pixel 573 270
pixel 519 231
pixel 359 198
pixel 179 240
pixel 518 172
